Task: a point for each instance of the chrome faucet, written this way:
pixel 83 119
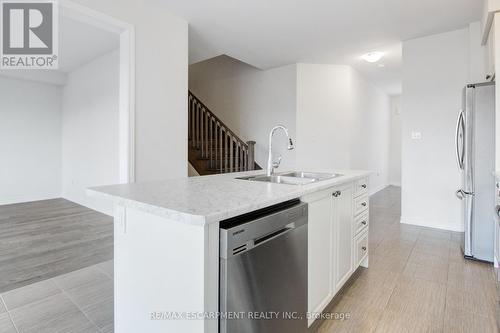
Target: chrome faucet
pixel 270 164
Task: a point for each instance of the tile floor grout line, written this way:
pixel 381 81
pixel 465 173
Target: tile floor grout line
pixel 79 309
pixel 103 271
pixel 67 223
pixel 36 301
pixel 8 313
pixel 445 303
pixel 395 287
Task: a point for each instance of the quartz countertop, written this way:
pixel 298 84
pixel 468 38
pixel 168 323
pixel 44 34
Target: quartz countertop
pixel 210 199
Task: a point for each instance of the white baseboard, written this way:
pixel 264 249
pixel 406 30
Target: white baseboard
pixel 430 224
pixel 28 199
pixel 395 184
pixel 375 190
pixel 92 203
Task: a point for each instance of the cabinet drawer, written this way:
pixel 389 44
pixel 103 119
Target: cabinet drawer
pixel 361 250
pixel 360 223
pixel 361 204
pixel 361 187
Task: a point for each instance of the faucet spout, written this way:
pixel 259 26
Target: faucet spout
pixel 270 164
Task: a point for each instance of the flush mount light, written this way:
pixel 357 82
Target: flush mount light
pixel 372 56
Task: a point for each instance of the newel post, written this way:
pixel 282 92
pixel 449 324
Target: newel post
pixel 251 155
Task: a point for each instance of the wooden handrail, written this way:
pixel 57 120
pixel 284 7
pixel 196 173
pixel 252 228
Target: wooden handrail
pixel 192 96
pixel 221 147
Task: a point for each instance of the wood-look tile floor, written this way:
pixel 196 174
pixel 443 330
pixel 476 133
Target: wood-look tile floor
pixel 43 239
pixel 417 281
pixel 77 302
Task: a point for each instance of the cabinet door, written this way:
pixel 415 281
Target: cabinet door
pixel 343 236
pixel 320 270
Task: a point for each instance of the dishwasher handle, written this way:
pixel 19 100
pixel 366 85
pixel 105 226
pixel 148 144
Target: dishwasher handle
pixel 235 238
pixel 272 235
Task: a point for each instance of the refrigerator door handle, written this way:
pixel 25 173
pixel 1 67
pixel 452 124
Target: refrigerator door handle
pixel 460 150
pixel 461 194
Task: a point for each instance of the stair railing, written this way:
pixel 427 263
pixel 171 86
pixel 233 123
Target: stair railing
pixel 225 151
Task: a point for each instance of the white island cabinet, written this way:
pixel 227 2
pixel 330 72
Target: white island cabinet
pixel 166 249
pixel 337 240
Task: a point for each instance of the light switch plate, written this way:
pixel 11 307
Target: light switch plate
pixel 416 135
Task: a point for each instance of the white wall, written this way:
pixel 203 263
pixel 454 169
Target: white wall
pixel 477 54
pixel 250 101
pixel 395 142
pixel 30 141
pixel 370 131
pixel 161 59
pixel 342 122
pixel 46 76
pixel 161 84
pixel 90 140
pixel 495 40
pixel 323 117
pixel 337 118
pixel 435 69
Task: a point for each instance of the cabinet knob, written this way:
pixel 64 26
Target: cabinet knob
pixel 363 204
pixel 339 192
pixel 364 248
pixel 336 193
pixel 363 223
pixel 363 186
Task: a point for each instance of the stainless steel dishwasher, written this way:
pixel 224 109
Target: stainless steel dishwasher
pixel 263 271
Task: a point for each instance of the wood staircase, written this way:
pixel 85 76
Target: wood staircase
pixel 213 147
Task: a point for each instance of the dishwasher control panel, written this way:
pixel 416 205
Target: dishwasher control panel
pixel 243 233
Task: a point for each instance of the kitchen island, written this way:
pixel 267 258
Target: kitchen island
pixel 167 243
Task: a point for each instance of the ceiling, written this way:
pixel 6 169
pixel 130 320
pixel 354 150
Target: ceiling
pixel 268 34
pixel 80 43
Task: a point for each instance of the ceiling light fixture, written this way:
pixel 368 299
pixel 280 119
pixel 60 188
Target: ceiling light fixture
pixel 372 56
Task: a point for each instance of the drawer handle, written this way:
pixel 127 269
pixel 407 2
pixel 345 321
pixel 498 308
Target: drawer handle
pixel 363 248
pixel 363 223
pixel 337 193
pixel 363 204
pixel 363 186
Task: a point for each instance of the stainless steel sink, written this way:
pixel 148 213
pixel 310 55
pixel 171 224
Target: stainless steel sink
pixel 317 176
pixel 292 178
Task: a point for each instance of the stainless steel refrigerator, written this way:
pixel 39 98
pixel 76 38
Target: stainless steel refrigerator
pixel 475 151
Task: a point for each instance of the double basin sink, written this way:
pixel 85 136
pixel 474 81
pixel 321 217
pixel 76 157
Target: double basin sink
pixel 293 178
